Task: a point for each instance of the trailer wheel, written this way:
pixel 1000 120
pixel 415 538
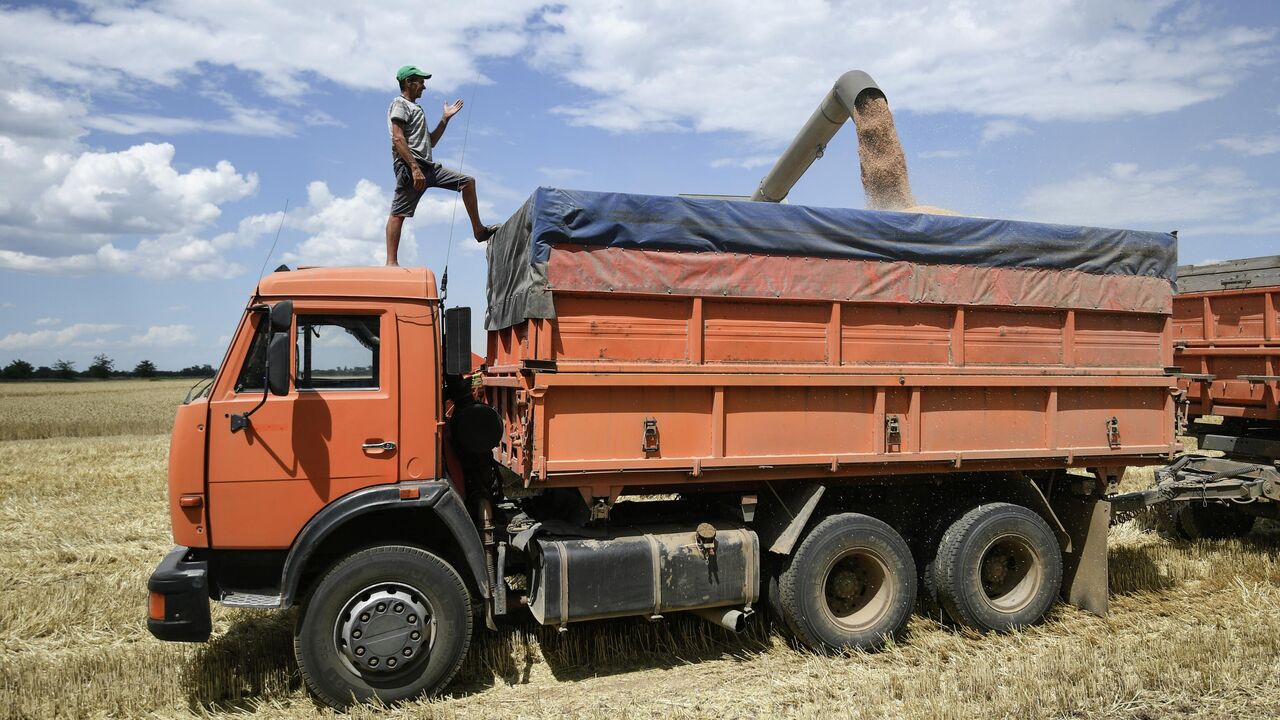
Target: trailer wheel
pixel 850 585
pixel 998 567
pixel 1206 521
pixel 391 622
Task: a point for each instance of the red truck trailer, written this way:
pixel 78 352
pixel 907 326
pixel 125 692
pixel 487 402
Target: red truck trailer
pixel 687 406
pixel 1226 320
pixel 1226 334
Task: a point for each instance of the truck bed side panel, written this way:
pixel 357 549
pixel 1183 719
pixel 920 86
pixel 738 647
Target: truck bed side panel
pixel 1232 335
pixel 667 389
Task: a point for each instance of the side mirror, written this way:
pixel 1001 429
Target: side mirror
pixel 282 316
pixel 280 321
pixel 457 341
pixel 278 361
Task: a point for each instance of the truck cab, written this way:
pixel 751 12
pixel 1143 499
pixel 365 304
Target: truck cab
pixel 349 418
pixel 321 432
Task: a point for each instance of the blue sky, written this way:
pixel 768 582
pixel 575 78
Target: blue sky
pixel 148 148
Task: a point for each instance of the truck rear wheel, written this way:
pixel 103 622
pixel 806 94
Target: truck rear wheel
pixel 390 622
pixel 850 585
pixel 998 568
pixel 1210 521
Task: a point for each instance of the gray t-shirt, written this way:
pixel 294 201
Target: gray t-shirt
pixel 415 127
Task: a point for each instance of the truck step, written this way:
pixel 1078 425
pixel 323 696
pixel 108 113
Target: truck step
pixel 241 599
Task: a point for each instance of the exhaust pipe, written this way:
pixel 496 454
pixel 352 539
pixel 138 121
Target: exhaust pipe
pixel 728 618
pixel 884 167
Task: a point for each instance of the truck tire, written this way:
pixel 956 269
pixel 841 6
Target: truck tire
pixel 1210 521
pixel 390 622
pixel 998 567
pixel 850 585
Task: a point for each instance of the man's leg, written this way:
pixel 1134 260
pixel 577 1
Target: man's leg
pixel 442 177
pixel 478 229
pixel 394 225
pixel 403 204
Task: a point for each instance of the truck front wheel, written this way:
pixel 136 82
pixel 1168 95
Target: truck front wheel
pixel 850 585
pixel 390 622
pixel 998 567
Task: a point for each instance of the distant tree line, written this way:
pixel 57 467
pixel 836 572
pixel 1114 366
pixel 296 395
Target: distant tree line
pixel 102 368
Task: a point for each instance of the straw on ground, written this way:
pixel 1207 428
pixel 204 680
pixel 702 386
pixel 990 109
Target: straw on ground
pixel 1192 631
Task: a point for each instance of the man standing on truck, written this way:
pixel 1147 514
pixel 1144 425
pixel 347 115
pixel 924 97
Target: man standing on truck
pixel 411 159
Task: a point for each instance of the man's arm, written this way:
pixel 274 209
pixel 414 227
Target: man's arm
pixel 401 146
pixel 449 111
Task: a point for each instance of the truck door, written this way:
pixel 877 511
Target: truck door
pixel 335 432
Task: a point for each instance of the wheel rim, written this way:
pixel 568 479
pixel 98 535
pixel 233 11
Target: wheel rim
pixel 385 630
pixel 856 590
pixel 1011 573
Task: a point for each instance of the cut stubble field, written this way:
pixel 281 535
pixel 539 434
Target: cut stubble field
pixel 1193 630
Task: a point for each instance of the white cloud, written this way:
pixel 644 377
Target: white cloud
pixel 711 66
pixel 281 46
pixel 319 118
pixel 256 123
pixel 165 336
pixel 747 162
pixel 1001 129
pixel 68 209
pixel 28 114
pixel 78 335
pixel 941 154
pixel 667 64
pixel 1253 146
pixel 349 230
pixel 138 190
pixel 161 257
pixel 47 321
pixel 1189 197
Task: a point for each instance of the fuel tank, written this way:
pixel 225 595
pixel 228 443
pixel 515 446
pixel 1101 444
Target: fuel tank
pixel 643 571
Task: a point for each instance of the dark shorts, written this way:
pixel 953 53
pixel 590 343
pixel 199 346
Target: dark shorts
pixel 407 197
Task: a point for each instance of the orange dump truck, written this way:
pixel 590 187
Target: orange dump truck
pixel 687 406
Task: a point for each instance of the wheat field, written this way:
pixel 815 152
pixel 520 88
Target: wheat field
pixel 83 522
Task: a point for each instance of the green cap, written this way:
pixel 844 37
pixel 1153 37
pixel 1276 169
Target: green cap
pixel 409 71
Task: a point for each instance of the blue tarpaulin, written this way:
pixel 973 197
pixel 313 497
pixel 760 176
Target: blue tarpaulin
pixel 655 222
pixel 519 254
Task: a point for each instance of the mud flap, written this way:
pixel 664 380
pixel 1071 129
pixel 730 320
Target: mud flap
pixel 1084 567
pixel 784 513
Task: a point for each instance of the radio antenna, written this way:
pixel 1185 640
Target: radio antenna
pixel 272 251
pixel 444 278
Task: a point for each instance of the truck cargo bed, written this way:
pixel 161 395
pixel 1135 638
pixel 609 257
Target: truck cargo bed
pixel 650 372
pixel 1227 338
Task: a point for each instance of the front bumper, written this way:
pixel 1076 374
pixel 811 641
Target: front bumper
pixel 179 601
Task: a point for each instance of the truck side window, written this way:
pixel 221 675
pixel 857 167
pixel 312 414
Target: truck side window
pixel 253 371
pixel 337 352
